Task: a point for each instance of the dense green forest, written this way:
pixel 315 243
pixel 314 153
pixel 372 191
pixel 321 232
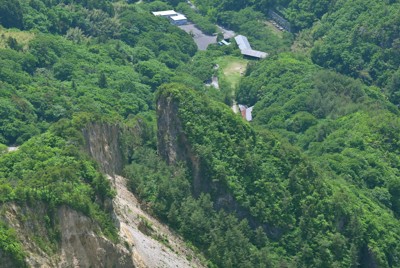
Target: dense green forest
pixel 312 181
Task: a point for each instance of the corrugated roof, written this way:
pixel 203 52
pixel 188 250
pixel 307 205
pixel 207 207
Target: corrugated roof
pixel 165 13
pixel 249 111
pixel 246 49
pixel 254 53
pixel 242 42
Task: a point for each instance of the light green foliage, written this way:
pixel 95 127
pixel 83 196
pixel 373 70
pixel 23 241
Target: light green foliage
pixel 203 23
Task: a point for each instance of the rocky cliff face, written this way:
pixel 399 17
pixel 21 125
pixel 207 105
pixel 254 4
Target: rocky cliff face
pixel 63 237
pixel 79 244
pixel 173 147
pixel 172 144
pixel 103 143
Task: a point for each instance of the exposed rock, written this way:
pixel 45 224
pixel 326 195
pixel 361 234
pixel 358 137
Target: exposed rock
pixel 82 247
pixel 174 147
pixel 81 244
pixel 103 143
pixel 172 144
pixel 155 247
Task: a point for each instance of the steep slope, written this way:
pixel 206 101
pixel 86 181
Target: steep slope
pixel 314 215
pixel 152 243
pixel 53 231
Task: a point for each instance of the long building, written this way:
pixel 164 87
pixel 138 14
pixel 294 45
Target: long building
pixel 166 13
pixel 246 50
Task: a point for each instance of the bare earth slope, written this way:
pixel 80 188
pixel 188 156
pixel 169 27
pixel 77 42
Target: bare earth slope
pixel 143 233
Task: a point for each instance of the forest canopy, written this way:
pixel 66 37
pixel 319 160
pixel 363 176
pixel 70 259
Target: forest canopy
pixel 312 181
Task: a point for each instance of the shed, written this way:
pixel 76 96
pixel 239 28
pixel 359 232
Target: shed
pixel 246 112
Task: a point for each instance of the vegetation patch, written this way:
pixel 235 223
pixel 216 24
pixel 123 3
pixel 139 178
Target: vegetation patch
pixel 14 38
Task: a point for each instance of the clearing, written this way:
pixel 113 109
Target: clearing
pixel 22 37
pixel 231 69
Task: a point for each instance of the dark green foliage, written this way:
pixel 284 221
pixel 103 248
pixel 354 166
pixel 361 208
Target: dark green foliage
pixel 102 80
pixel 359 38
pixel 11 14
pixel 201 22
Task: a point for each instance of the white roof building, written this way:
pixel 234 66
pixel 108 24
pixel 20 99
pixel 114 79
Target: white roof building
pixel 166 13
pixel 246 112
pixel 178 17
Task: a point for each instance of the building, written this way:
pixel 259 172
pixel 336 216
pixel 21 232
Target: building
pixel 173 16
pixel 246 112
pixel 178 19
pixel 166 13
pixel 246 50
pixel 225 43
pixel 254 53
pixel 242 42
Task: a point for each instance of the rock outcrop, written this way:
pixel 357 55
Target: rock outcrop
pixel 172 144
pixel 82 247
pixel 63 237
pixel 80 242
pixel 103 143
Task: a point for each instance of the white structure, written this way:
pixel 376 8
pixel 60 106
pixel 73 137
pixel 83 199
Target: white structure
pixel 173 16
pixel 166 13
pixel 178 19
pixel 246 112
pixel 245 48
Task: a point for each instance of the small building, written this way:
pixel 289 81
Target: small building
pixel 225 43
pixel 166 13
pixel 246 112
pixel 178 19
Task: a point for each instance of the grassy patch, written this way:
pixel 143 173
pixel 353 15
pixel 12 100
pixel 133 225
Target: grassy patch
pixel 22 37
pixel 231 69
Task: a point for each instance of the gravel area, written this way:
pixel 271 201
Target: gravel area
pixel 202 40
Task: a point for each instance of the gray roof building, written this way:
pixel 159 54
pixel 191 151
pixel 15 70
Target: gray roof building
pixel 242 42
pixel 246 50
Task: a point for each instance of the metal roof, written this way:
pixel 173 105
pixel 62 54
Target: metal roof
pixel 254 53
pixel 242 42
pixel 165 13
pixel 246 49
pixel 249 116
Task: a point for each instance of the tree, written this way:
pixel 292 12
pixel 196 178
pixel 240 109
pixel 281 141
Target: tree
pixel 102 83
